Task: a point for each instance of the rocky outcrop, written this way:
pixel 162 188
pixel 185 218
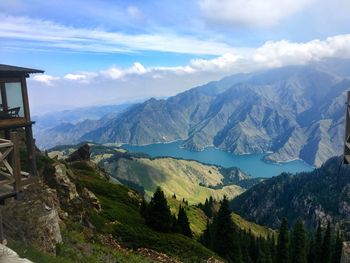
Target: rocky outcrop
pixel 67 190
pixel 345 254
pixel 7 255
pixel 34 218
pixel 91 199
pixel 157 256
pixel 82 154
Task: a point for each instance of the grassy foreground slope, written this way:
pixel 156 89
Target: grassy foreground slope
pixel 120 217
pixel 191 180
pixel 198 220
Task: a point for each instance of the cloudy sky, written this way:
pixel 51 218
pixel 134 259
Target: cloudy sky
pixel 103 52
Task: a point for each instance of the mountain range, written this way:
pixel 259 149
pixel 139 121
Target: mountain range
pixel 322 195
pixel 294 112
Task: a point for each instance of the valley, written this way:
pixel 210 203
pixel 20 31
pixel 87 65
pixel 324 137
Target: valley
pixel 288 113
pixel 252 164
pixel 188 179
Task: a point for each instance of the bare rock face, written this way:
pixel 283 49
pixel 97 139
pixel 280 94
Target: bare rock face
pixel 345 255
pixel 34 218
pixel 91 198
pixel 64 185
pixel 82 154
pixel 7 255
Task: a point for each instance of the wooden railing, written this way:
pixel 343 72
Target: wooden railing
pixel 10 167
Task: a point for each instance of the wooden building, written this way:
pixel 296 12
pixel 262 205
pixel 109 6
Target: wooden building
pixel 14 120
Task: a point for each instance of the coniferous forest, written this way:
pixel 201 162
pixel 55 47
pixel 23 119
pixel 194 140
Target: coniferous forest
pixel 287 245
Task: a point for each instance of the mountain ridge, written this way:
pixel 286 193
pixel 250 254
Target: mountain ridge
pixel 319 196
pixel 295 112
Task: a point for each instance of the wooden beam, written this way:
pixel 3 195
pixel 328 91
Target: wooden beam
pixel 7 182
pixel 31 151
pixel 16 164
pixel 5 174
pixel 25 99
pixel 3 96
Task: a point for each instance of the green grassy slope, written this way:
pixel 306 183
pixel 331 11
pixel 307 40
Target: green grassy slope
pixel 120 217
pixel 187 179
pixel 257 230
pixel 198 220
pixel 195 215
pixel 76 249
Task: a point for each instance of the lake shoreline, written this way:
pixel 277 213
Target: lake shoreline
pixel 253 164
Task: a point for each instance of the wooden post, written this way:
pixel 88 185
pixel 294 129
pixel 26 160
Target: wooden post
pixel 3 97
pixel 31 150
pixel 7 134
pixel 2 237
pixel 15 163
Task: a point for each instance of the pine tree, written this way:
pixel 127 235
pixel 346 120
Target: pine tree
pixel 271 242
pixel 143 208
pixel 318 244
pixel 206 237
pixel 253 247
pixel 282 255
pixel 298 244
pixel 183 222
pixel 210 207
pixel 158 214
pixel 246 256
pixel 174 227
pixel 206 208
pixel 326 246
pixel 311 250
pixel 338 245
pixel 223 238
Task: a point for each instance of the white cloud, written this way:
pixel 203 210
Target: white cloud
pixel 283 52
pixel 251 12
pixel 271 54
pixel 215 64
pixel 117 85
pixel 43 33
pixel 46 79
pixel 117 73
pixel 83 77
pixel 113 73
pixel 75 76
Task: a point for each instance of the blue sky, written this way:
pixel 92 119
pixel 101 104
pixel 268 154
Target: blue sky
pixel 117 51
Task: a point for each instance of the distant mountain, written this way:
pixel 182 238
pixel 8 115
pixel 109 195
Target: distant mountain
pixel 322 195
pixel 294 112
pixel 68 126
pixel 74 116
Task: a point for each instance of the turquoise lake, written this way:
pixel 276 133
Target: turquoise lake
pixel 252 164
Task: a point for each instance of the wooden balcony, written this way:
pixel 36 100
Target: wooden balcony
pixel 12 179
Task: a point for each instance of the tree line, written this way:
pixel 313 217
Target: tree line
pixel 229 241
pixel 158 216
pixel 294 245
pixel 299 246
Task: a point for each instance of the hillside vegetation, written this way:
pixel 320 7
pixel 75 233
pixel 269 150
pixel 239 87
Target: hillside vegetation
pixel 191 180
pixel 319 196
pixel 187 179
